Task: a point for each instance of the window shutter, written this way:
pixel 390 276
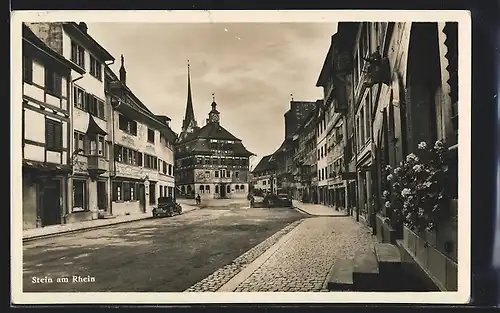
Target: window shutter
pixel 49 134
pixel 58 141
pixel 57 84
pixel 101 109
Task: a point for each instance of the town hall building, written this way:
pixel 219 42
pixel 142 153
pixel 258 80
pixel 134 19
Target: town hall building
pixel 210 161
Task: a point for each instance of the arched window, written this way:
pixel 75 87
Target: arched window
pixel 207 188
pixel 202 188
pixel 189 188
pixel 237 187
pixel 242 187
pixel 216 189
pixel 228 188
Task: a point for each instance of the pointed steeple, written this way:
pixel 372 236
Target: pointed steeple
pixel 123 72
pixel 189 115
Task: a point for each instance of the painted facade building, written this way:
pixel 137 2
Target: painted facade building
pixel 46 132
pixel 89 117
pixel 210 161
pixel 142 164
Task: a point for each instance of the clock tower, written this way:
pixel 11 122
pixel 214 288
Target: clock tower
pixel 214 115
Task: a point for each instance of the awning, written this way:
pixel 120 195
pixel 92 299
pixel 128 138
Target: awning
pixel 93 129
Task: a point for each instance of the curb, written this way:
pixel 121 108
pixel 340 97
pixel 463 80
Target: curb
pixel 307 213
pixel 81 229
pixel 300 210
pixel 90 228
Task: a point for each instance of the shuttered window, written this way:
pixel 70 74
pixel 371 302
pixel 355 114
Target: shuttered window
pixel 53 82
pixel 53 135
pixel 27 69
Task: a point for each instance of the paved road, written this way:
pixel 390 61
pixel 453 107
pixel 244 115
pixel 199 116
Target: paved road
pixel 303 262
pixel 169 254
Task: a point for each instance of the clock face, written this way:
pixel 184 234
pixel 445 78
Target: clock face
pixel 215 117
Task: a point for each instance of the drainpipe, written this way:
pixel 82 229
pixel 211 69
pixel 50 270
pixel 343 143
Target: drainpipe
pixel 112 142
pixel 69 184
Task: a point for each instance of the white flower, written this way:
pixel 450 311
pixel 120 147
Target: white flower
pixel 388 167
pixel 411 157
pixel 385 193
pixel 438 145
pixel 406 192
pixel 396 170
pixel 388 204
pixel 427 184
pixel 389 177
pixel 422 145
pixel 408 216
pixel 418 168
pixel 420 212
pixel 410 198
pixel 395 185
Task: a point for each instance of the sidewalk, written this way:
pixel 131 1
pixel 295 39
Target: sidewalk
pixel 317 209
pixel 301 259
pixel 48 231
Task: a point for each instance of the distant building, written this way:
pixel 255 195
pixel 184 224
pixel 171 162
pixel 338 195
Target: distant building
pixel 46 132
pixel 264 175
pixel 210 161
pixel 142 165
pixel 286 168
pixel 305 158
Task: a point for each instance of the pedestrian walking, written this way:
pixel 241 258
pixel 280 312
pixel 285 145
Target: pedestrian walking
pixel 198 199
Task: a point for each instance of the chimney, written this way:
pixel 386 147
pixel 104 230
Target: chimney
pixel 83 26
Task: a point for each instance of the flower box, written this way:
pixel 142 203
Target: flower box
pixel 442 270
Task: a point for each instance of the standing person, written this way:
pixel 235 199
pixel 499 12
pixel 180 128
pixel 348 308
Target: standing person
pixel 251 199
pixel 198 199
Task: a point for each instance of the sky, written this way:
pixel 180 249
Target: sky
pixel 252 68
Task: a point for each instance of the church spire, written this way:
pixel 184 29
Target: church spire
pixel 189 115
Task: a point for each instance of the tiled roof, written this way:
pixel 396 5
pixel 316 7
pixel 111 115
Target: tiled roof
pixel 264 164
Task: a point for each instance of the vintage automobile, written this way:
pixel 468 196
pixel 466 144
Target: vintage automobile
pixel 280 200
pixel 285 200
pixel 167 207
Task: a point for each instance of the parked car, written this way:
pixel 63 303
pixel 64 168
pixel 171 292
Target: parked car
pixel 167 207
pixel 285 200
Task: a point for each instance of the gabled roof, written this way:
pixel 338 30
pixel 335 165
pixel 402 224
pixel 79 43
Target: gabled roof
pixel 80 33
pixel 212 131
pixel 266 163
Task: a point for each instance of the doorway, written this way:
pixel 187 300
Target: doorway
pixel 51 202
pixel 222 191
pixel 142 198
pixel 102 196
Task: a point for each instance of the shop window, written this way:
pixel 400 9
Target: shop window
pixel 79 195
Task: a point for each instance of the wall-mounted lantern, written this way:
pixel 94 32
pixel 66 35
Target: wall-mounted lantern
pixel 378 70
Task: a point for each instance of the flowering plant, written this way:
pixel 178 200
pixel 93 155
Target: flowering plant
pixel 416 193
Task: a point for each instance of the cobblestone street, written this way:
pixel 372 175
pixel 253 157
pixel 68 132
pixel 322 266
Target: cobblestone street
pixel 303 262
pixel 166 254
